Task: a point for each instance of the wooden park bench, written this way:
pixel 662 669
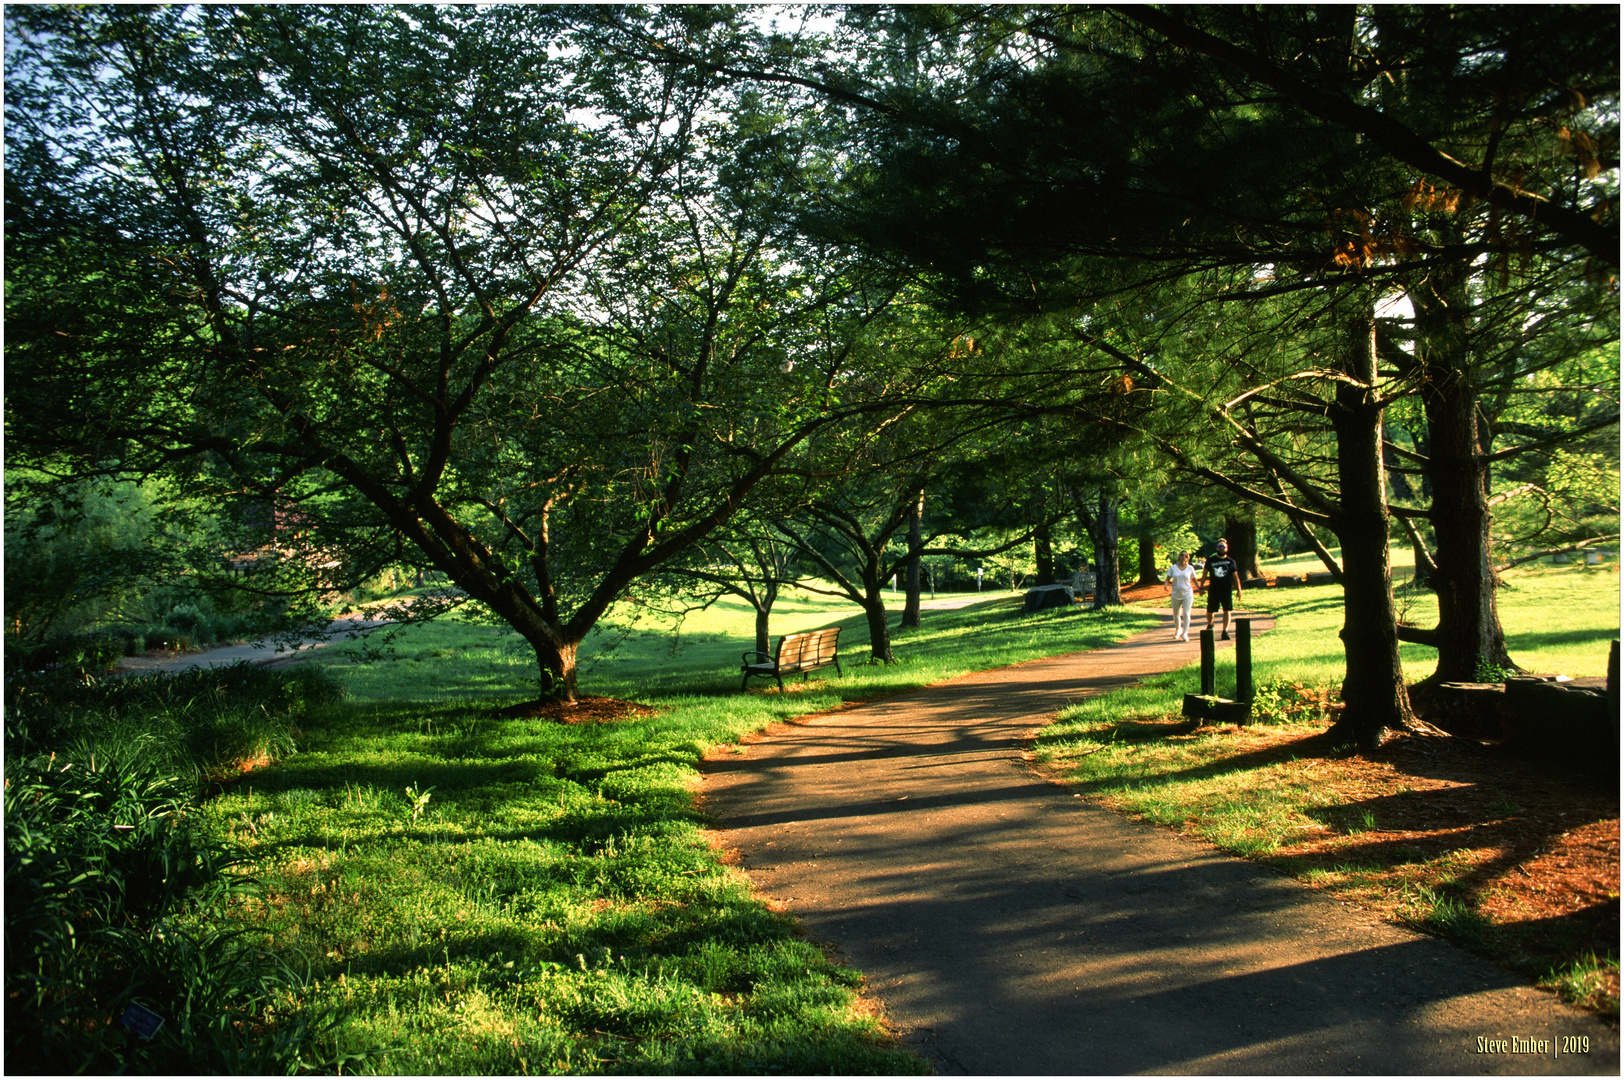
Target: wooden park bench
pixel 796 653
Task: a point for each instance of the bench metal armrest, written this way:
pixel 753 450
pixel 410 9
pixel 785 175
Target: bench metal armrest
pixel 760 657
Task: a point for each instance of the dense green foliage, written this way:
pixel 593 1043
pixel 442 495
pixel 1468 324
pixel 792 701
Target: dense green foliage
pixel 195 724
pixel 115 897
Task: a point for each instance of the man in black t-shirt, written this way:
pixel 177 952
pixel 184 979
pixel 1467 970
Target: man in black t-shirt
pixel 1222 580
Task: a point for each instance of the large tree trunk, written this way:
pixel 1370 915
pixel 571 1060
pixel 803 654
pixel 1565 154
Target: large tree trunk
pixel 1101 525
pixel 879 629
pixel 555 662
pixel 1043 554
pixel 1242 537
pixel 1374 697
pixel 1469 635
pixel 916 541
pixel 1150 569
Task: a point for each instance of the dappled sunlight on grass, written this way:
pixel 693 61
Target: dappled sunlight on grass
pixel 1424 832
pixel 496 894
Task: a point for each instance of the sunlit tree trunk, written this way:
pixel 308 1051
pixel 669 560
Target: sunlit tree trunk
pixel 916 541
pixel 1374 697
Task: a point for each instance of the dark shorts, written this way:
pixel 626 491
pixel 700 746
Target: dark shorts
pixel 1223 598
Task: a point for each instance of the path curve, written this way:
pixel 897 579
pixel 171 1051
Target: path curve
pixel 266 652
pixel 1007 926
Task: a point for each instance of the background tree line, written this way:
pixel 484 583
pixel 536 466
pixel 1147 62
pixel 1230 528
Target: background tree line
pixel 571 305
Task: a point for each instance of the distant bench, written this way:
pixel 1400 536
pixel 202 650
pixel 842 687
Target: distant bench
pixel 796 653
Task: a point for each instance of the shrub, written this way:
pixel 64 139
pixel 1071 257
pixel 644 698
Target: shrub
pixel 193 723
pixel 184 617
pixel 77 652
pixel 1281 701
pixel 112 901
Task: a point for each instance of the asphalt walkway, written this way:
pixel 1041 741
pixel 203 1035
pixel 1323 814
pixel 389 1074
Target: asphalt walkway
pixel 1006 926
pixel 266 652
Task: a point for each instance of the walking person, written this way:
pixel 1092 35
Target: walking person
pixel 1180 579
pixel 1222 579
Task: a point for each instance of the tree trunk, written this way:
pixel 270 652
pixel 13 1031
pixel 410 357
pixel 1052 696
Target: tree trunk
pixel 1374 697
pixel 557 668
pixel 1102 531
pixel 1242 537
pixel 1469 635
pixel 879 629
pixel 1150 569
pixel 1043 554
pixel 916 541
pixel 1425 567
pixel 764 610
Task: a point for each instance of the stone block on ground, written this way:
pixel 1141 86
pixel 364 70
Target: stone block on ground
pixel 1474 710
pixel 1556 721
pixel 1048 596
pixel 1209 709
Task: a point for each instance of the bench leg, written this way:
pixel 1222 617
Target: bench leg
pixel 780 679
pixel 745 682
pixel 842 674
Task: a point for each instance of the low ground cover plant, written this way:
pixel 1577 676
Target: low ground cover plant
pixel 115 902
pixel 1515 860
pixel 487 893
pixel 201 724
pixel 114 897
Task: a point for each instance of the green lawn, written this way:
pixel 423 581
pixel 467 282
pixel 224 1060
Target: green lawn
pixel 490 895
pixel 1558 620
pixel 1252 793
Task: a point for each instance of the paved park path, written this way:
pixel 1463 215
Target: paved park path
pixel 1006 926
pixel 266 652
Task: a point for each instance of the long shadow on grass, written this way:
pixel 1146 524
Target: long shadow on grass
pixel 1310 746
pixel 444 775
pixel 1440 821
pixel 1547 638
pixel 636 937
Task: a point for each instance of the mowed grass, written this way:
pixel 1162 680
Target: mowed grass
pixel 493 895
pixel 1557 620
pixel 1254 793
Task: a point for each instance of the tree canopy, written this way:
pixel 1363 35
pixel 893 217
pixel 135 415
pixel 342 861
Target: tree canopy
pixel 553 300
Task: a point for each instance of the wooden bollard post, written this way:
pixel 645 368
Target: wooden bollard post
pixel 1209 674
pixel 1612 681
pixel 1243 659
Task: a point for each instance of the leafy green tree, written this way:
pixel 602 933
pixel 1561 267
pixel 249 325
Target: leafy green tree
pixel 751 559
pixel 80 557
pixel 1047 156
pixel 451 285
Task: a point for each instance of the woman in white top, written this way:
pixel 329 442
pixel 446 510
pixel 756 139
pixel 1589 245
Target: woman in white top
pixel 1180 578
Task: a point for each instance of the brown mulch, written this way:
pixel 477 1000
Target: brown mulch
pixel 586 709
pixel 1532 849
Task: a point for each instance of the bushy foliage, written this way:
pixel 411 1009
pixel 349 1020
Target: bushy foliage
pixel 194 723
pixel 1284 701
pixel 76 558
pixel 113 901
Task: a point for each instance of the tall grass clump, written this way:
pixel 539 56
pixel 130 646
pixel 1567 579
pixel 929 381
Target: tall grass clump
pixel 199 724
pixel 115 912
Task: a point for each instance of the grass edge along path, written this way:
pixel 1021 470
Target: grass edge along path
pixel 1428 833
pixel 491 895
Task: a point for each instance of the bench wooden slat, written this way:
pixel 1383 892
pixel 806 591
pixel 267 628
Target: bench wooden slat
pixel 802 653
